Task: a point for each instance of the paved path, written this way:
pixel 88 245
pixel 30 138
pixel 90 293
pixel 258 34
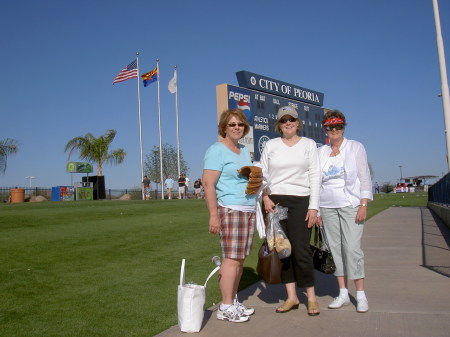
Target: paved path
pixel 407 284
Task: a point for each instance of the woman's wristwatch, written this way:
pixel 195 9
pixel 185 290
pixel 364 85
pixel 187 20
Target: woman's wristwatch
pixel 363 205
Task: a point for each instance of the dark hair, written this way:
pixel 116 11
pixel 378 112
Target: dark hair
pixel 225 118
pixel 278 124
pixel 333 113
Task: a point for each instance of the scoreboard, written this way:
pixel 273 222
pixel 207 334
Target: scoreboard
pixel 261 110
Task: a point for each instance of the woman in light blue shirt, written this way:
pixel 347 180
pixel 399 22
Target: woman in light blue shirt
pixel 231 211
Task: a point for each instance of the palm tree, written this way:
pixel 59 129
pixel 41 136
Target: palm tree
pixel 8 147
pixel 96 149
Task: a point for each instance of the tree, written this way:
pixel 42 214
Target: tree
pixel 8 147
pixel 170 163
pixel 387 188
pixel 371 171
pixel 96 150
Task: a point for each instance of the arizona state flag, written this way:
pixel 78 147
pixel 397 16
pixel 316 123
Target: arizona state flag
pixel 150 77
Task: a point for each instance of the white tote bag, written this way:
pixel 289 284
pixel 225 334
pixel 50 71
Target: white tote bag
pixel 191 302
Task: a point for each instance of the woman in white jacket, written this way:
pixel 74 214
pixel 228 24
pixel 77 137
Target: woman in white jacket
pixel 345 191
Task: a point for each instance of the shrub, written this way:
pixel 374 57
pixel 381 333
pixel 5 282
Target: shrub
pixel 387 187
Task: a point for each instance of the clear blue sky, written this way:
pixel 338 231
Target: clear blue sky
pixel 374 60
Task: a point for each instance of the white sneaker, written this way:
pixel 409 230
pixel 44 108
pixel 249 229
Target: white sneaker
pixel 243 310
pixel 362 305
pixel 231 314
pixel 338 302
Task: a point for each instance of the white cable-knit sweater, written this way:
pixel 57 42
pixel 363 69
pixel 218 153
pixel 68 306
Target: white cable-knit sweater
pixel 293 170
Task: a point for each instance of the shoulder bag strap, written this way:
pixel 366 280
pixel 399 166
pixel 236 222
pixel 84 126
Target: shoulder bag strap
pixel 211 274
pixel 324 238
pixel 183 261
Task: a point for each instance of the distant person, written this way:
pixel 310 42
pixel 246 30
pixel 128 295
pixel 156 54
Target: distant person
pixel 188 182
pixel 377 188
pixel 345 191
pixel 168 183
pixel 181 186
pixel 198 188
pixel 146 182
pixel 231 211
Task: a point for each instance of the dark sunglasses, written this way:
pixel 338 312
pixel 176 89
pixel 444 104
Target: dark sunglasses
pixel 335 126
pixel 285 120
pixel 233 125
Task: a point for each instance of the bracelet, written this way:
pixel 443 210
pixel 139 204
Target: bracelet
pixel 363 205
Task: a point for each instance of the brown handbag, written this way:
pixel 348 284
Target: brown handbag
pixel 269 265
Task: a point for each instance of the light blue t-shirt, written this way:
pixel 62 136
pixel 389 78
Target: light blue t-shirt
pixel 230 188
pixel 169 183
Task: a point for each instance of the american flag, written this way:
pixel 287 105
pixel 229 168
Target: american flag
pixel 130 71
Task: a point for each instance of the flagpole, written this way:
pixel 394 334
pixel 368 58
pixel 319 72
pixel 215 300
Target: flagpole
pixel 176 112
pixel 140 124
pixel 160 135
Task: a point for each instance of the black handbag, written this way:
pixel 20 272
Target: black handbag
pixel 322 257
pixel 269 265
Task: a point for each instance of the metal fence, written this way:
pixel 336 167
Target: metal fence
pixel 440 191
pixel 111 194
pixel 29 192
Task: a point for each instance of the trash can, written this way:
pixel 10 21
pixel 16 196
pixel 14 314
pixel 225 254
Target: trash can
pixel 17 195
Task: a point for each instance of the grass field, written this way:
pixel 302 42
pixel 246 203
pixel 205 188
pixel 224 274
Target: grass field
pixel 110 268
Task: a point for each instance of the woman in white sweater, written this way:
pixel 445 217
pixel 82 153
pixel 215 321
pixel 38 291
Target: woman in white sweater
pixel 293 171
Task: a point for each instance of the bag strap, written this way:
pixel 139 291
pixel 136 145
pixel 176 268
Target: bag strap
pixel 183 261
pixel 211 274
pixel 315 237
pixel 324 238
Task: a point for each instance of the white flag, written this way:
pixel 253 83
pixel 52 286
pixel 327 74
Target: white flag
pixel 173 83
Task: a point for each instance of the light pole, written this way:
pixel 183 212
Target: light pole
pixel 30 177
pixel 401 175
pixel 444 83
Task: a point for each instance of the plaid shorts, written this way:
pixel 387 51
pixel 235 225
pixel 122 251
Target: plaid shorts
pixel 236 232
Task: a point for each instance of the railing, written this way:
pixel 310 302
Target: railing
pixel 135 194
pixel 111 194
pixel 440 191
pixel 29 192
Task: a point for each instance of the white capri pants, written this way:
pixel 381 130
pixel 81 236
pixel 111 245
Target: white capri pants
pixel 344 236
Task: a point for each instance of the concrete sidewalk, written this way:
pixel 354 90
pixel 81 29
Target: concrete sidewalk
pixel 407 285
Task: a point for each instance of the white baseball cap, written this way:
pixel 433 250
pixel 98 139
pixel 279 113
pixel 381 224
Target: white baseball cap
pixel 287 110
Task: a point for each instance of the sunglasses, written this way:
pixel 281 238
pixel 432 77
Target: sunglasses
pixel 233 125
pixel 335 126
pixel 285 120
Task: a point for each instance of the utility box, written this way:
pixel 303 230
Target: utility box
pixel 63 193
pixel 84 191
pixel 98 184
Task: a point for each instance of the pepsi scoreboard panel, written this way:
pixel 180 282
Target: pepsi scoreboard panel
pixel 261 110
